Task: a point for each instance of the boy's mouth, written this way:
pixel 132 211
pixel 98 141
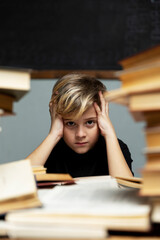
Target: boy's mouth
pixel 81 143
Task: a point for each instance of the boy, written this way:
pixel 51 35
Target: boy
pixel 82 140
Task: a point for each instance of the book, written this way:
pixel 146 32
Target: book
pixel 51 184
pixel 151 150
pixel 144 102
pixel 56 231
pixel 151 180
pixel 92 204
pixel 142 59
pixel 152 160
pixel 49 180
pixel 39 169
pixel 139 69
pixel 152 155
pixel 155 214
pixel 131 182
pixel 3 229
pixel 140 93
pixel 140 74
pixel 135 81
pixel 151 118
pixel 103 179
pixel 151 171
pixel 14 82
pixel 141 106
pixel 152 136
pixel 18 190
pixel 53 177
pixel 145 107
pixel 6 104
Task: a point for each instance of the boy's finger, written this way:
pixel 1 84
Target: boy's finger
pixel 107 107
pixel 103 103
pixel 97 108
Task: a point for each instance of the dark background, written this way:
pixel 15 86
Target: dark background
pixel 76 34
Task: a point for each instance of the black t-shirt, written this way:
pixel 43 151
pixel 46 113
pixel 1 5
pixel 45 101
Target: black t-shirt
pixel 93 163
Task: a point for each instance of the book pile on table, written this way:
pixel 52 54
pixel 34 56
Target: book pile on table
pixel 140 92
pixel 86 209
pixel 49 180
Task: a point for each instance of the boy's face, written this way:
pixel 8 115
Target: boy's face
pixel 82 134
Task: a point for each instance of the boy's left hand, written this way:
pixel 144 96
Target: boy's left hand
pixel 104 121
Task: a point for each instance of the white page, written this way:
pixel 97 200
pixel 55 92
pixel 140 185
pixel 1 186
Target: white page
pixel 56 231
pixel 95 204
pixel 110 181
pixel 3 228
pixel 94 199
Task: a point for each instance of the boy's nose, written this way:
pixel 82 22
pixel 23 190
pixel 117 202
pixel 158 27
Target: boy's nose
pixel 80 132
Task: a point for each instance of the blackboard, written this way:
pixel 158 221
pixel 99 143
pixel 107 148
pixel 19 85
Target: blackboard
pixel 76 34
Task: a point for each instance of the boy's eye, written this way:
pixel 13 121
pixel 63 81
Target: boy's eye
pixel 70 124
pixel 90 123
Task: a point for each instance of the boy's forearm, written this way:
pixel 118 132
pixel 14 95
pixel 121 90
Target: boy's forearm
pixel 42 152
pixel 116 162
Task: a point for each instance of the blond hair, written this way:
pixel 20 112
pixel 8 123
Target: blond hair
pixel 74 93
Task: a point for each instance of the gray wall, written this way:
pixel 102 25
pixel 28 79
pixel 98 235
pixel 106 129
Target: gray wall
pixel 22 133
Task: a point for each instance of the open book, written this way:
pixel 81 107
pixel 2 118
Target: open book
pixel 17 186
pixel 95 205
pixel 131 182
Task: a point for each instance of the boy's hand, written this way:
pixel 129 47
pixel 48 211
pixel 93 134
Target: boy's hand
pixel 104 121
pixel 56 121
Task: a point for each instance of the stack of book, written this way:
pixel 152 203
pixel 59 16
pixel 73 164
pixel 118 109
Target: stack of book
pixel 140 92
pixel 49 180
pixel 86 209
pixel 14 84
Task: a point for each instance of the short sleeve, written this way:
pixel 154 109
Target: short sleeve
pixel 126 154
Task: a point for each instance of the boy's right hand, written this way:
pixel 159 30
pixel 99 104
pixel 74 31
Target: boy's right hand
pixel 56 121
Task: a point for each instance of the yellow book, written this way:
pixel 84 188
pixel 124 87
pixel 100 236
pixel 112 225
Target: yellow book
pixel 39 169
pixel 153 160
pixel 152 155
pixel 53 177
pixel 152 136
pixel 140 74
pixel 143 58
pixel 152 118
pixel 151 186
